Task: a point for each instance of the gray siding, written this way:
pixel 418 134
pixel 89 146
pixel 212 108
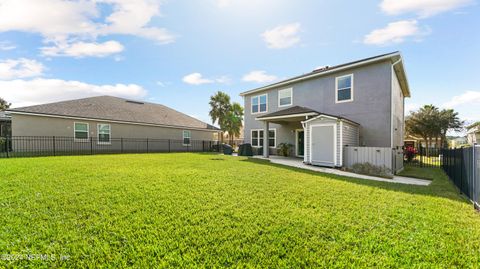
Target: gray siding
pixel 27 125
pixel 371 107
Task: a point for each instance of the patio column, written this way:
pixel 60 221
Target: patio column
pixel 266 148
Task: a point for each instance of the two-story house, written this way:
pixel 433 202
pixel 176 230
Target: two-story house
pixel 360 103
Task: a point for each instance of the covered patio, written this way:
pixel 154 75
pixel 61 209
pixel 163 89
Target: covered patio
pixel 291 119
pixel 318 138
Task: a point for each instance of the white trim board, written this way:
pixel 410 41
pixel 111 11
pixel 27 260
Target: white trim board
pixel 334 126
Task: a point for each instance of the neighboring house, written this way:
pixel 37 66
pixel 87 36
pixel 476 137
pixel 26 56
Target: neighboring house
pixel 105 118
pixel 5 124
pixel 473 133
pixel 359 103
pixel 417 142
pixel 457 141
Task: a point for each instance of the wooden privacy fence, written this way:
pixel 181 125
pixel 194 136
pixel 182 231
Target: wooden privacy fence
pixel 383 157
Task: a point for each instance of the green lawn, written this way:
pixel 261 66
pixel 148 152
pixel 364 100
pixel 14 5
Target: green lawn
pixel 421 172
pixel 202 210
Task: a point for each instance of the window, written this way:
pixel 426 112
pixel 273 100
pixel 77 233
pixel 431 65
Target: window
pixel 186 138
pixel 271 138
pixel 257 138
pixel 285 97
pixel 344 89
pixel 104 133
pixel 259 104
pixel 81 131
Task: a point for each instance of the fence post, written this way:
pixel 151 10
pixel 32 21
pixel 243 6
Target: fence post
pixel 147 146
pixel 121 145
pixel 91 145
pixel 474 177
pixel 169 150
pixel 54 149
pixel 6 146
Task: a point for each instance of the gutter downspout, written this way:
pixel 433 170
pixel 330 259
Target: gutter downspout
pixel 393 76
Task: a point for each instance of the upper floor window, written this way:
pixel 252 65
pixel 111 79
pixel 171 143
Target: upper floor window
pixel 81 131
pixel 104 133
pixel 285 97
pixel 259 103
pixel 344 88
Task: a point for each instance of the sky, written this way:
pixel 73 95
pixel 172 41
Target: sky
pixel 179 53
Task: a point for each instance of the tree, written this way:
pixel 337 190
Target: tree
pixel 449 120
pixel 220 107
pixel 4 105
pixel 431 123
pixel 234 121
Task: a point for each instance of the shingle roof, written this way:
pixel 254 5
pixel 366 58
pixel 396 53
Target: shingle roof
pixel 324 70
pixel 4 116
pixel 299 110
pixel 289 111
pixel 117 109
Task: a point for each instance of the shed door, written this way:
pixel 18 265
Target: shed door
pixel 323 144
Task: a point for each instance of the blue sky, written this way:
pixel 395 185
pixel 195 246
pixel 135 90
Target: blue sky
pixel 178 53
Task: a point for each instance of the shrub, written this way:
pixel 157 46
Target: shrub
pixel 284 149
pixel 410 153
pixel 371 170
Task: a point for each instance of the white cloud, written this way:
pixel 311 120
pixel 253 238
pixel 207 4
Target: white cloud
pixel 198 79
pixel 467 98
pixel 5 45
pixel 396 32
pixel 259 76
pixel 20 68
pixel 424 8
pixel 79 21
pixel 223 3
pixel 283 36
pixel 83 49
pixel 30 92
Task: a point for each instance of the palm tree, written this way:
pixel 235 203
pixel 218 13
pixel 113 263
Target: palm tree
pixel 234 121
pixel 220 106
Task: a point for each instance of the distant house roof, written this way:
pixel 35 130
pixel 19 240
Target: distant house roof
pixel 4 116
pixel 116 109
pixel 297 111
pixel 393 57
pixel 473 125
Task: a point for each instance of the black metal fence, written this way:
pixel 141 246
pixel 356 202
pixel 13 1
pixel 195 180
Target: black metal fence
pixel 463 167
pixel 423 157
pixel 32 146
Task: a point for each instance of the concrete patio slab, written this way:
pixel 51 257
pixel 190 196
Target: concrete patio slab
pixel 298 163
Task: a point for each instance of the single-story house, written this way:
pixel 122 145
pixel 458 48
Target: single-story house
pixel 106 119
pixel 473 133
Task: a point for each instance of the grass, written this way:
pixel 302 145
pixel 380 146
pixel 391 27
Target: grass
pixel 415 171
pixel 201 210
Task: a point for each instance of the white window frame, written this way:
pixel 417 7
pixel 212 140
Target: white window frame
pixel 266 103
pixel 291 97
pixel 109 134
pixel 264 137
pixel 75 132
pixel 189 137
pixel 337 89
